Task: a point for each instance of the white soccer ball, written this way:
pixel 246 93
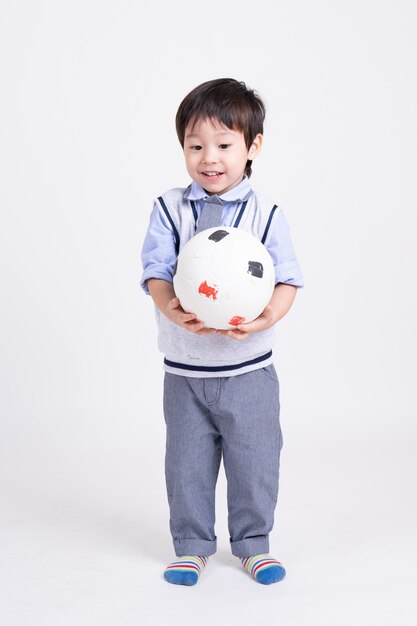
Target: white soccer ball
pixel 225 276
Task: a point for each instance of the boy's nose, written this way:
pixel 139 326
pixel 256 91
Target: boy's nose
pixel 210 156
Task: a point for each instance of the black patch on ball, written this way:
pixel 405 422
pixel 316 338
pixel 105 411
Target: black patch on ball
pixel 175 268
pixel 256 269
pixel 218 235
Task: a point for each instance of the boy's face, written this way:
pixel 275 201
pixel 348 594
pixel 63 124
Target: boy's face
pixel 215 156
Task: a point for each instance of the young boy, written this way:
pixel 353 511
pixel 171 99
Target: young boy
pixel 221 391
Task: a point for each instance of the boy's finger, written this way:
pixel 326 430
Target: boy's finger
pixel 189 316
pixel 193 321
pixel 195 328
pixel 246 328
pixel 174 303
pixel 236 334
pixel 207 331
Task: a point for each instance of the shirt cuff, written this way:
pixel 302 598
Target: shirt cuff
pixel 154 273
pixel 289 273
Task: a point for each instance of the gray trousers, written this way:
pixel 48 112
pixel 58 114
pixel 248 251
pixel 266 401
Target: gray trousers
pixel 236 418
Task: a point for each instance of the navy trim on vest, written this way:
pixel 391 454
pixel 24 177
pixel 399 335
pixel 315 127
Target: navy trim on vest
pixel 271 215
pixel 217 368
pixel 241 212
pixel 174 230
pixel 194 213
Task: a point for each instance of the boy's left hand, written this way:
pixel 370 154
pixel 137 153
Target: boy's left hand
pixel 265 320
pixel 280 303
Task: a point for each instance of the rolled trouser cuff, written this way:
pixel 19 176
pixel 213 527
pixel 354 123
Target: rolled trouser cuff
pixel 198 547
pixel 250 546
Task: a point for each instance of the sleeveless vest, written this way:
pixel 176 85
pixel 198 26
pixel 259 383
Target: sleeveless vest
pixel 187 354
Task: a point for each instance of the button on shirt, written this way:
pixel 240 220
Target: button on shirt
pixel 159 255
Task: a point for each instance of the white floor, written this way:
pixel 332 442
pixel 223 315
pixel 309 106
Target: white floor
pixel 86 544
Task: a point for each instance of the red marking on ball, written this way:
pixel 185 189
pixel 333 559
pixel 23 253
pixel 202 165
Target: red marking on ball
pixel 236 320
pixel 210 291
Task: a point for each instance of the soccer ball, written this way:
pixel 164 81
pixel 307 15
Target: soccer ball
pixel 225 276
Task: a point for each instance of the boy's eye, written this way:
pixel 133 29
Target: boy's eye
pixel 195 147
pixel 223 146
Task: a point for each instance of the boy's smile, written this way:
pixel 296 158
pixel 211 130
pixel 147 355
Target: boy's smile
pixel 216 156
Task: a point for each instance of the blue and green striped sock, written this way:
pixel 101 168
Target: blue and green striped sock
pixel 185 570
pixel 264 568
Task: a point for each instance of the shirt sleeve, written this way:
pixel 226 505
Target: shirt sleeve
pixel 158 250
pixel 280 247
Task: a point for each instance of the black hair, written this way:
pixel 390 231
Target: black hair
pixel 225 100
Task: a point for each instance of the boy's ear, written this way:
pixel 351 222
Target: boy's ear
pixel 255 147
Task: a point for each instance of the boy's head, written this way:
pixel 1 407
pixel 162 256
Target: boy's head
pixel 220 126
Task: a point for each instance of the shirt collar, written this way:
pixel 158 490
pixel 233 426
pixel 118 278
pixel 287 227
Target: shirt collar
pixel 236 194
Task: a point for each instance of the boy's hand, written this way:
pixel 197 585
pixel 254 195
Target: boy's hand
pixel 163 295
pixel 279 305
pixel 175 313
pixel 265 320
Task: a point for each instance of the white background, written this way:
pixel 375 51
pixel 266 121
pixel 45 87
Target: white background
pixel 89 92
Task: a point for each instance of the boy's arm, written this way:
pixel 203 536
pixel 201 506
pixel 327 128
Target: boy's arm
pixel 279 305
pixel 162 293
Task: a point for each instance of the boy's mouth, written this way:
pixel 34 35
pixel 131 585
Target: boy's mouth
pixel 213 176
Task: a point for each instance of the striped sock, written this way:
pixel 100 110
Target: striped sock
pixel 185 570
pixel 263 568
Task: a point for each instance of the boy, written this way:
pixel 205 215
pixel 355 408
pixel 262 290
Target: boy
pixel 221 391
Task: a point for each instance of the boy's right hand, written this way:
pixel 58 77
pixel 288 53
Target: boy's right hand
pixel 175 313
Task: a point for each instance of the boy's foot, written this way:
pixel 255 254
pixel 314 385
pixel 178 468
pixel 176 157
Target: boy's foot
pixel 185 570
pixel 264 568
